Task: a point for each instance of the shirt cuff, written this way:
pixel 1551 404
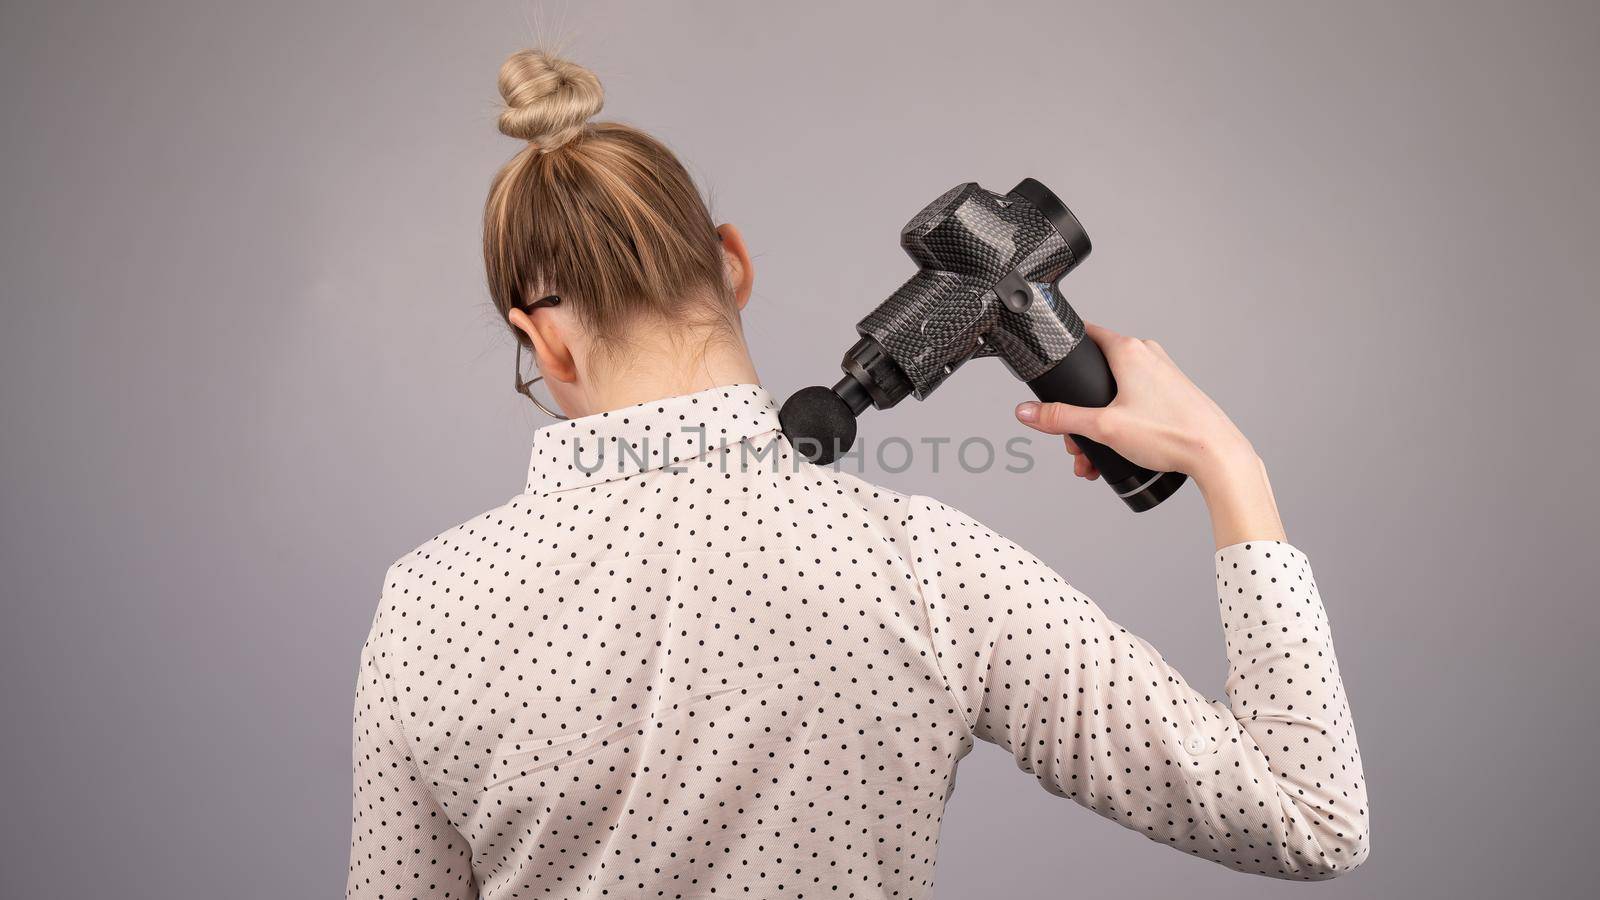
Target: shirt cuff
pixel 1266 583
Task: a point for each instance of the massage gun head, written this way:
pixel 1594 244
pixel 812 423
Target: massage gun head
pixel 987 265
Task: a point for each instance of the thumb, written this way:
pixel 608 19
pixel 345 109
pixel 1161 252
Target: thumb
pixel 1061 418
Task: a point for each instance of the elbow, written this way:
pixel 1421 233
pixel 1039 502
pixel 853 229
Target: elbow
pixel 1338 848
pixel 1333 866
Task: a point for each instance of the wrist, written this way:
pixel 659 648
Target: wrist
pixel 1239 499
pixel 1226 459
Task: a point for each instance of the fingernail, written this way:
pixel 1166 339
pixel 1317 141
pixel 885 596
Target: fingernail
pixel 1028 412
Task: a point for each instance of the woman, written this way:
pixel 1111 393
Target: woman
pixel 684 663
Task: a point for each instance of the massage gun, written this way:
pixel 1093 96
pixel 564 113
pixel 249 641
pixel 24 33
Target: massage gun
pixel 988 267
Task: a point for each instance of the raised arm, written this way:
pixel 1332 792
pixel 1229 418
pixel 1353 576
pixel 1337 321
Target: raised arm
pixel 1269 782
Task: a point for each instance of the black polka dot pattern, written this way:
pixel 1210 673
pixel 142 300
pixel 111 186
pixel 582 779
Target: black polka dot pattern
pixel 703 668
pixel 1269 783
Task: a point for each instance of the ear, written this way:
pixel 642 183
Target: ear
pixel 740 273
pixel 547 330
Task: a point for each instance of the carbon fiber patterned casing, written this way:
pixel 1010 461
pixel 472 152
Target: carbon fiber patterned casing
pixel 985 286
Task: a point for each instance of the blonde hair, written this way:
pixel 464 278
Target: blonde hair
pixel 601 214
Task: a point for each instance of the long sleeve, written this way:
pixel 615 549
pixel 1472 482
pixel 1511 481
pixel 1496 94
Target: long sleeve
pixel 1268 783
pixel 401 844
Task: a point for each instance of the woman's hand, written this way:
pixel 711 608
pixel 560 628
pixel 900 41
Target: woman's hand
pixel 1158 420
pixel 1161 421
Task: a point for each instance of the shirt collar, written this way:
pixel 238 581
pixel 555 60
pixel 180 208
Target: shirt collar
pixel 636 439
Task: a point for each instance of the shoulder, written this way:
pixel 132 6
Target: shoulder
pixel 861 492
pixel 432 581
pixel 952 547
pixel 918 516
pixel 925 526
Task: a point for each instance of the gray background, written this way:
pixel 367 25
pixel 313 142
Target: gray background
pixel 247 359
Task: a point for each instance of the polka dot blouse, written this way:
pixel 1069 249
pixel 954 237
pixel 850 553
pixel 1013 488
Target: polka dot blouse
pixel 684 663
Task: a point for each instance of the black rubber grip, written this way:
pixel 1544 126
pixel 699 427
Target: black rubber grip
pixel 1084 378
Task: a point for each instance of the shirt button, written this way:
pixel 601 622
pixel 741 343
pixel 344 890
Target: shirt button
pixel 1195 744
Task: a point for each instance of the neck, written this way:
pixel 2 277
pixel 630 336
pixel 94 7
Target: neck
pixel 683 363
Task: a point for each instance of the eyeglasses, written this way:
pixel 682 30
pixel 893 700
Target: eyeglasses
pixel 525 385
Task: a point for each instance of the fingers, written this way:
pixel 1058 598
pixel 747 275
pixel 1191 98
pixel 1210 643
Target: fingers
pixel 1043 418
pixel 1081 466
pixel 1061 418
pixel 1119 349
pixel 1114 344
pixel 1101 334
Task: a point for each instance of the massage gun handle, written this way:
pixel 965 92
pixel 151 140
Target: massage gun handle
pixel 1084 378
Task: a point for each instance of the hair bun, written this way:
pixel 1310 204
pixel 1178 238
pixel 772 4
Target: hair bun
pixel 548 100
